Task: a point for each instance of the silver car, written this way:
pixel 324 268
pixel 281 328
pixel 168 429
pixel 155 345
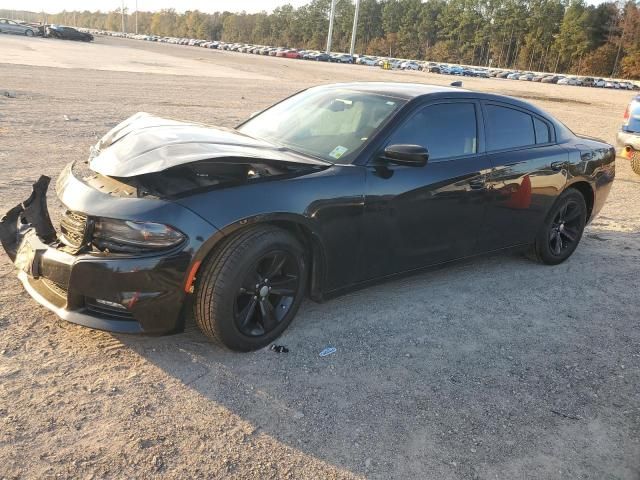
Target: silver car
pixel 10 26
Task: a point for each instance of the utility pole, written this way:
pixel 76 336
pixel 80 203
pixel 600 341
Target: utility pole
pixel 122 16
pixel 136 17
pixel 331 15
pixel 355 28
pixel 615 64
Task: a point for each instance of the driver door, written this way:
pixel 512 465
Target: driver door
pixel 421 216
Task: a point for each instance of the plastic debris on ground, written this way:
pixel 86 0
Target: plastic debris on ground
pixel 279 349
pixel 328 351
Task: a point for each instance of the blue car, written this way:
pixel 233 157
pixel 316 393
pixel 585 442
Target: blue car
pixel 629 135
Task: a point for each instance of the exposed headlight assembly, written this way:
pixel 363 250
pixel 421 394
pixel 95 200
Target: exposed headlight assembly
pixel 128 236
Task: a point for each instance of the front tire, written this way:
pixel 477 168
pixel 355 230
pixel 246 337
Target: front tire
pixel 29 33
pixel 562 230
pixel 251 288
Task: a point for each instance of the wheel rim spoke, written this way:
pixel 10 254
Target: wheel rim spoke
pixel 247 313
pixel 557 244
pixel 250 282
pixel 563 212
pixel 274 268
pixel 571 216
pixel 568 234
pixel 269 320
pixel 267 293
pixel 285 286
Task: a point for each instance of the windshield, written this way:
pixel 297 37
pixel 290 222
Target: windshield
pixel 330 124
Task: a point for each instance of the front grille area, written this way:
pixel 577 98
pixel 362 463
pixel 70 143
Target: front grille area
pixel 103 310
pixel 56 288
pixel 74 229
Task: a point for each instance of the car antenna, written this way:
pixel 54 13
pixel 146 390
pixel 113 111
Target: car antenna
pixel 457 83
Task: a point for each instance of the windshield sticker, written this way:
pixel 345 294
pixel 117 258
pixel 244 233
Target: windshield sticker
pixel 391 104
pixel 338 152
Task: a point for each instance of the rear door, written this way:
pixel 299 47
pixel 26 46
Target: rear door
pixel 528 172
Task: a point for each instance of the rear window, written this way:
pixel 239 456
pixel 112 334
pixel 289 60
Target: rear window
pixel 509 128
pixel 542 131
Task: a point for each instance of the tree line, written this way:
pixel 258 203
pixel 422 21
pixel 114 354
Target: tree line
pixel 544 35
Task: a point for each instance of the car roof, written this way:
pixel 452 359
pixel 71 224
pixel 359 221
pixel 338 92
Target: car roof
pixel 394 89
pixel 415 91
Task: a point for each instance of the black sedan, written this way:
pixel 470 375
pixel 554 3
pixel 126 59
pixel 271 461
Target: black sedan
pixel 327 191
pixel 68 33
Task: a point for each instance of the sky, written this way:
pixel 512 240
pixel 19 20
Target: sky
pixel 209 6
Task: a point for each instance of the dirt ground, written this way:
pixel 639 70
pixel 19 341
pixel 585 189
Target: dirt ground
pixel 492 368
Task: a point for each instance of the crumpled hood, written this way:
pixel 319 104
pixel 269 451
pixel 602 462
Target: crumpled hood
pixel 146 144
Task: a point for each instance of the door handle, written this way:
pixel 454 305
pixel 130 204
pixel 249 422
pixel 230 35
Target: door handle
pixel 557 166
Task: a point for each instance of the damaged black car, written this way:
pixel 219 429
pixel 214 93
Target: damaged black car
pixel 331 189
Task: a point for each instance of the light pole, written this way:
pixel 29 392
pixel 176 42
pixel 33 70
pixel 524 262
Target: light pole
pixel 333 11
pixel 122 16
pixel 355 28
pixel 136 17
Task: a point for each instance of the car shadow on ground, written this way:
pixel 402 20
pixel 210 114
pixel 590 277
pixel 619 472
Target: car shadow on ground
pixel 492 366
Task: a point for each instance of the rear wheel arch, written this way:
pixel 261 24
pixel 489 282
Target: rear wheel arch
pixel 587 192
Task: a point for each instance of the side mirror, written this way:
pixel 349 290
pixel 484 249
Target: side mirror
pixel 409 155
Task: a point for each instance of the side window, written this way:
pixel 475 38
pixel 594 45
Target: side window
pixel 508 128
pixel 542 131
pixel 445 130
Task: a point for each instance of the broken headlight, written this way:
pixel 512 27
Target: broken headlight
pixel 128 236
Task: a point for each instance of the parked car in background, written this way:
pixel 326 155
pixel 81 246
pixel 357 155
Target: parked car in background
pixel 341 58
pixel 588 82
pixel 409 65
pixel 538 78
pixel 480 72
pixel 552 79
pixel 628 139
pixel 568 81
pixel 527 76
pixel 514 76
pixel 16 28
pixel 68 33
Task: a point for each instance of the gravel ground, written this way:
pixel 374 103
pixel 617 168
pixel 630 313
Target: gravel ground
pixel 491 368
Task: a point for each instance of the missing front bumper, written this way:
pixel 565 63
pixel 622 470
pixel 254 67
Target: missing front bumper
pixel 81 288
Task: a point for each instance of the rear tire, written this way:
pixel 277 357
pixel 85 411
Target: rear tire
pixel 250 289
pixel 635 162
pixel 562 230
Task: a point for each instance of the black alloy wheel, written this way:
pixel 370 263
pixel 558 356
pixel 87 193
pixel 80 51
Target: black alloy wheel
pixel 267 293
pixel 561 233
pixel 565 228
pixel 249 289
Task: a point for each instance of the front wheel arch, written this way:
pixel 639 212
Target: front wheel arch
pixel 292 224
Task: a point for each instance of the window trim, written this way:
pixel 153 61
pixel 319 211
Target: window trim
pixel 485 117
pixel 480 132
